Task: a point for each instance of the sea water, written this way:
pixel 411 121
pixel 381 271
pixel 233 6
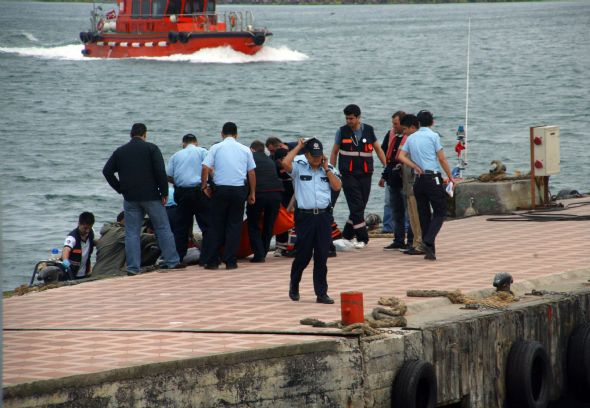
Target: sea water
pixel 62 115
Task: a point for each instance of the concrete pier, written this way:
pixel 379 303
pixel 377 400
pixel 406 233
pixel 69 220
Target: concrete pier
pixel 198 338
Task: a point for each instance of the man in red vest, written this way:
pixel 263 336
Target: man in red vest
pixel 353 148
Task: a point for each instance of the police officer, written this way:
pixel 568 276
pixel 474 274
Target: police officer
pixel 353 147
pixel 184 171
pixel 313 180
pixel 230 163
pixel 426 153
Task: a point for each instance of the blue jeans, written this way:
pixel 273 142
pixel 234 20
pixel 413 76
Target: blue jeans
pixel 134 213
pixel 387 218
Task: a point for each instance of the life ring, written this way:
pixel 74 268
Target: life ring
pixel 100 24
pixel 232 21
pixel 578 361
pixel 415 385
pixel 527 375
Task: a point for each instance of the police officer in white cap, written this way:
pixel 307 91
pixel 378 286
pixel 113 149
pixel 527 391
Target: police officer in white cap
pixel 313 180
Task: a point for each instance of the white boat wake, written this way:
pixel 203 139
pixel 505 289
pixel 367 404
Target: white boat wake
pixel 64 52
pixel 220 55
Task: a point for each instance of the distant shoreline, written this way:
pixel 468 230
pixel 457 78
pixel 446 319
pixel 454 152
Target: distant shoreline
pixel 322 2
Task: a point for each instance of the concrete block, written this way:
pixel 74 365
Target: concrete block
pixel 499 197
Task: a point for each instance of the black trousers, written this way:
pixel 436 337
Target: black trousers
pixel 357 188
pixel 227 214
pixel 192 202
pixel 266 205
pixel 314 235
pixel 429 192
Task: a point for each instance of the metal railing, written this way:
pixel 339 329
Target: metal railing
pixel 238 20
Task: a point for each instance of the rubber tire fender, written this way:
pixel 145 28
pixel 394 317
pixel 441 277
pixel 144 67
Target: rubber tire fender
pixel 528 373
pixel 578 361
pixel 84 37
pixel 173 37
pixel 259 39
pixel 414 386
pixel 183 37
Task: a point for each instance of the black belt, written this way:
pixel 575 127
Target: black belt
pixel 314 210
pixel 189 188
pixel 430 173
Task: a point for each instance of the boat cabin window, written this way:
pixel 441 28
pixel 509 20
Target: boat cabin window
pixel 136 9
pixel 174 7
pixel 211 6
pixel 193 6
pixel 158 7
pixel 145 8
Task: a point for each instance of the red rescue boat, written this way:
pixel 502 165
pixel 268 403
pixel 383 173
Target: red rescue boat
pixel 157 28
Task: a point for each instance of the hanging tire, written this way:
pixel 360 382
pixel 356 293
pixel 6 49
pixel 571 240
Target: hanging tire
pixel 259 39
pixel 173 37
pixel 183 37
pixel 578 361
pixel 527 375
pixel 414 386
pixel 84 37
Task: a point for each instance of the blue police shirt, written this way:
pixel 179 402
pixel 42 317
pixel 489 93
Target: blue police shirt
pixel 312 188
pixel 170 202
pixel 423 145
pixel 185 166
pixel 230 161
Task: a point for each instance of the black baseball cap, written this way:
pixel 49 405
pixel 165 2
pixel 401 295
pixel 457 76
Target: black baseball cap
pixel 314 147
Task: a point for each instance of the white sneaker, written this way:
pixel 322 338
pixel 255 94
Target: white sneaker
pixel 279 252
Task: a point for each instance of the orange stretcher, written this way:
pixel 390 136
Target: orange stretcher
pixel 284 222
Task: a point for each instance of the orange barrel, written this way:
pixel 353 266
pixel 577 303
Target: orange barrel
pixel 351 305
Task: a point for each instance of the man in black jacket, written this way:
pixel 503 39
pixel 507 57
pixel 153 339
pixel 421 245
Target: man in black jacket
pixel 392 175
pixel 268 201
pixel 144 185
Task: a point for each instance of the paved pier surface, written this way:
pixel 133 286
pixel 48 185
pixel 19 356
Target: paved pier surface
pixel 193 312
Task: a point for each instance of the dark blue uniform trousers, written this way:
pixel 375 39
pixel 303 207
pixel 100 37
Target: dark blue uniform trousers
pixel 227 213
pixel 430 194
pixel 192 202
pixel 357 188
pixel 314 235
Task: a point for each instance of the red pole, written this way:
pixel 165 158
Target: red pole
pixel 532 168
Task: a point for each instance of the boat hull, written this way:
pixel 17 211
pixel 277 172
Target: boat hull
pixel 135 46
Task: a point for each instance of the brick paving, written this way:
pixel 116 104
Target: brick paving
pixel 254 298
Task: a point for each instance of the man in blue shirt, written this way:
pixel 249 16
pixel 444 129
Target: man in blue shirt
pixel 426 153
pixel 228 164
pixel 313 180
pixel 184 172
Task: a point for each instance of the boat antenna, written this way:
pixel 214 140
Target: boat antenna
pixel 467 89
pixel 461 146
